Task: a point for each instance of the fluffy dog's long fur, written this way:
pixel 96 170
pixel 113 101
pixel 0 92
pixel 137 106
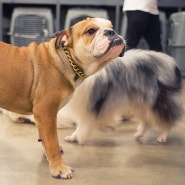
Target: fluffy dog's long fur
pixel 145 84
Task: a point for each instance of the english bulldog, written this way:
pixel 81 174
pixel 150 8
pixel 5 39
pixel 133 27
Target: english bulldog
pixel 41 79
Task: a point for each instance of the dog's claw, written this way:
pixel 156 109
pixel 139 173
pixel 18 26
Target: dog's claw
pixel 65 173
pixel 61 150
pixel 61 176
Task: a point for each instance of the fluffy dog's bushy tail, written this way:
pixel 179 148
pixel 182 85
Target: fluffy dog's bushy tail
pixel 168 105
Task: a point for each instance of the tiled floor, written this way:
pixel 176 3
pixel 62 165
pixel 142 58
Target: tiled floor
pixel 107 158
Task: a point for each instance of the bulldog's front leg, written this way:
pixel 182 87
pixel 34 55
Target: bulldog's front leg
pixel 46 123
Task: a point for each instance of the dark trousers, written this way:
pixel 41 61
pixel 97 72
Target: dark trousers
pixel 144 24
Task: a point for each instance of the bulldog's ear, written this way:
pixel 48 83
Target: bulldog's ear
pixel 63 38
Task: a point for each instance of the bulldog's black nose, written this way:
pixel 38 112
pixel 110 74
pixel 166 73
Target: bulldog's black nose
pixel 109 33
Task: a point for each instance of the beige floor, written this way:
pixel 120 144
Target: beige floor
pixel 107 158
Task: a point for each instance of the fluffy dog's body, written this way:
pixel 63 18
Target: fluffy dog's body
pixel 144 84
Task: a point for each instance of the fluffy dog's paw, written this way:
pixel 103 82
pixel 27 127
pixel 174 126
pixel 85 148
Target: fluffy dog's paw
pixel 138 134
pixel 107 129
pixel 161 139
pixel 61 171
pixel 70 139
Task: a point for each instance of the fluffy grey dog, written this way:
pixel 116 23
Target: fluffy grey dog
pixel 144 84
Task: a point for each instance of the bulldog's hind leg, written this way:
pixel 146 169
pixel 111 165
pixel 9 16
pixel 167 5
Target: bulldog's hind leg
pixel 46 122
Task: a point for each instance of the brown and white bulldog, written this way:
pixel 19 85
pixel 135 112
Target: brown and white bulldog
pixel 40 79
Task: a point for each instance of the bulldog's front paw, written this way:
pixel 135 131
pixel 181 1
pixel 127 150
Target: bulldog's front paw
pixel 61 170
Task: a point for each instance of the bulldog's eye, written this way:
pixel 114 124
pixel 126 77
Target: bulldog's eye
pixel 91 31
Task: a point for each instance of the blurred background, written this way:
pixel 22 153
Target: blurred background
pixel 24 21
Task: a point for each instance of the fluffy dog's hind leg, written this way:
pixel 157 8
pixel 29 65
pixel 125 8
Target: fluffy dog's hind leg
pixel 142 128
pixel 163 136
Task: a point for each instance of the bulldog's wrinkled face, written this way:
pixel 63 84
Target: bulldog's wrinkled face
pixel 92 40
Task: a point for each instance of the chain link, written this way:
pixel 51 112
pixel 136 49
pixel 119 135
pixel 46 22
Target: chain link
pixel 78 71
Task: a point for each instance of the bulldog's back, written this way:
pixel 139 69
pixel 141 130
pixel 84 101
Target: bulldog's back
pixel 16 77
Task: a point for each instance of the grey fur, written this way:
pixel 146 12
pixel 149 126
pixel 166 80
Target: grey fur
pixel 152 76
pixel 145 84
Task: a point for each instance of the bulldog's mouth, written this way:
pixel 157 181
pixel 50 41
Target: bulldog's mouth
pixel 110 44
pixel 116 41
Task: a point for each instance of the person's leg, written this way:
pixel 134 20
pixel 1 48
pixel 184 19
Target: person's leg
pixel 153 33
pixel 136 25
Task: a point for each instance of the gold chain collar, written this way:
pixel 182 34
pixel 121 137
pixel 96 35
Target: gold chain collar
pixel 78 71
